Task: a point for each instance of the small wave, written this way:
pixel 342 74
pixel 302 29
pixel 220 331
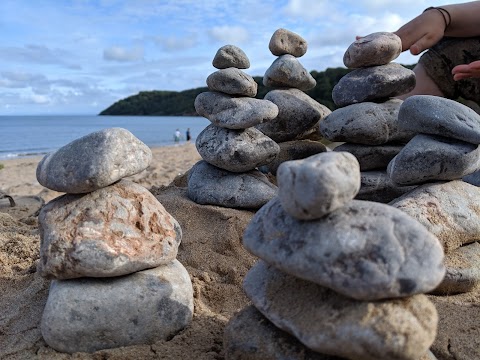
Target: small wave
pixel 15 155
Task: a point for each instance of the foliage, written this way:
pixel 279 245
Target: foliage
pixel 1 166
pixel 175 103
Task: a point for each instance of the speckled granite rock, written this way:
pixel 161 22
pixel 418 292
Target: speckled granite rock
pixel 371 157
pixel 230 56
pixel 284 41
pixel 287 72
pixel 232 81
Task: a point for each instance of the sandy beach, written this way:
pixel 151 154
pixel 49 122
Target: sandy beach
pixel 211 250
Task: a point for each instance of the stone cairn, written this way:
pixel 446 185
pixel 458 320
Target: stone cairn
pixel 403 147
pixel 110 248
pixel 231 147
pixel 337 278
pixel 296 124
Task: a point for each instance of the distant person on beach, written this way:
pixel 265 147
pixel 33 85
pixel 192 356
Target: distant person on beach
pixel 177 136
pixel 451 66
pixel 188 136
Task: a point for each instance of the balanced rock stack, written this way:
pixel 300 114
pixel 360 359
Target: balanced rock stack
pixel 231 147
pixel 343 277
pixel 298 113
pixel 110 247
pixel 367 120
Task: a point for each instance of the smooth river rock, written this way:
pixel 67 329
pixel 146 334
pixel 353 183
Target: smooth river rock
pixel 377 186
pixel 232 81
pixel 364 250
pixel 113 231
pixel 287 72
pixel 330 323
pixel 284 41
pixel 94 161
pixel 311 188
pixel 372 157
pixel 230 56
pixel 236 150
pixel 90 314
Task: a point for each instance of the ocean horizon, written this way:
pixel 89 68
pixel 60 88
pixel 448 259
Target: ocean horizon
pixel 34 135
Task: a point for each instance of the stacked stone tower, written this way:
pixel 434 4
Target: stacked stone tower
pixel 110 247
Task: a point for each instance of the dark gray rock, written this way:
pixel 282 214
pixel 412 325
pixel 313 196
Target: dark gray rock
pixel 87 314
pixel 440 116
pixel 373 84
pixel 287 72
pixel 232 81
pixel 230 56
pixel 311 188
pixel 375 49
pixel 428 158
pixel 94 161
pixel 377 186
pixel 473 178
pixel 236 150
pixel 330 323
pixel 371 157
pixel 287 42
pixel 364 250
pixel 366 123
pixel 297 113
pixel 209 185
pixel 234 112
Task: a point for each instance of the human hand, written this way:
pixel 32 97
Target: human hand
pixel 466 71
pixel 422 32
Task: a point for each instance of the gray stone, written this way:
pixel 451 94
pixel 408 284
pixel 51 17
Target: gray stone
pixel 371 157
pixel 311 188
pixel 364 250
pixel 473 178
pixel 330 323
pixel 232 81
pixel 377 186
pixel 428 158
pixel 230 56
pixel 234 112
pixel 249 335
pixel 287 72
pixel 209 185
pixel 293 150
pixel 366 123
pixel 113 231
pixel 86 315
pixel 297 113
pixel 373 84
pixel 449 210
pixel 94 161
pixel 439 116
pixel 287 42
pixel 375 49
pixel 463 271
pixel 236 150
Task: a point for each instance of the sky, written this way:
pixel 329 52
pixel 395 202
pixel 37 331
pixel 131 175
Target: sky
pixel 65 57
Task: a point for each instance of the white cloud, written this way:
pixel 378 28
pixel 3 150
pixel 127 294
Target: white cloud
pixel 175 43
pixel 229 34
pixel 121 54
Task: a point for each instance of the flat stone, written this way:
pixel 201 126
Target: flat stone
pixel 372 50
pixel 236 150
pixel 374 83
pixel 449 210
pixel 311 188
pixel 232 81
pixel 297 113
pixel 230 56
pixel 87 314
pixel 333 324
pixel 210 185
pixel 249 335
pixel 234 112
pixel 293 150
pixel 440 116
pixel 94 161
pixel 287 72
pixel 366 123
pixel 284 41
pixel 463 270
pixel 364 250
pixel 113 231
pixel 428 158
pixel 376 185
pixel 371 157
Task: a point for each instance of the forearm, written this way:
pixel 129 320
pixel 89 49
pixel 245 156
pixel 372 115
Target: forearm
pixel 465 19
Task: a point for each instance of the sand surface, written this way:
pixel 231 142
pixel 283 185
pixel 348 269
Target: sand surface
pixel 211 250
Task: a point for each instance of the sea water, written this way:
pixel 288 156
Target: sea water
pixel 22 136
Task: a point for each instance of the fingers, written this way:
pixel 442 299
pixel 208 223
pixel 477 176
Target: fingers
pixel 466 71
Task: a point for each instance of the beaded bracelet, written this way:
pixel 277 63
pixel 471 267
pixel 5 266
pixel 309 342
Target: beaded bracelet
pixel 441 10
